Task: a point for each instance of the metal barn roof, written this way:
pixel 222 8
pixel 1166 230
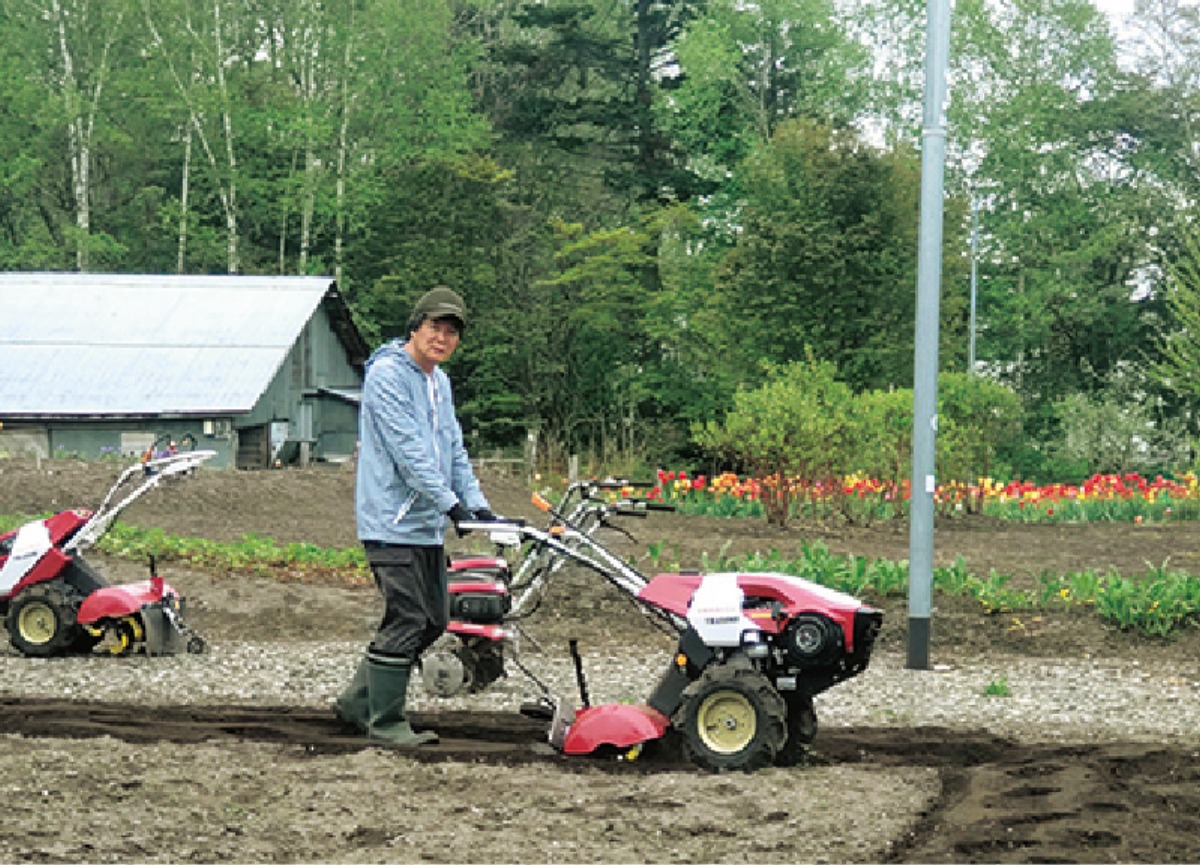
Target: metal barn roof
pixel 107 345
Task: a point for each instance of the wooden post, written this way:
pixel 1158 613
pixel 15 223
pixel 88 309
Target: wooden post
pixel 306 434
pixel 531 442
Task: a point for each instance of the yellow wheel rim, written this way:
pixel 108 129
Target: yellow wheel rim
pixel 37 623
pixel 119 644
pixel 726 722
pixel 126 634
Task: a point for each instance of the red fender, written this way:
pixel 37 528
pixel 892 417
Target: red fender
pixel 478 563
pixel 476 588
pixel 117 601
pixel 622 725
pixel 467 629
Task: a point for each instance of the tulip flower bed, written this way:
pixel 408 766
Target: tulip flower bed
pixel 1129 498
pixel 1103 497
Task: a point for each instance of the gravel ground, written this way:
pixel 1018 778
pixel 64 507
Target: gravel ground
pixel 1045 701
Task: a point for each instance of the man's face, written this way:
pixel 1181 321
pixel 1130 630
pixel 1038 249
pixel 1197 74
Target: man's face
pixel 433 342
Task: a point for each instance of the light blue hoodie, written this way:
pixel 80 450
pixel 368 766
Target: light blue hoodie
pixel 412 465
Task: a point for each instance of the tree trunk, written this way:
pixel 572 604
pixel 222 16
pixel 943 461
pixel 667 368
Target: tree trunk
pixel 339 239
pixel 81 117
pixel 227 191
pixel 184 189
pixel 229 198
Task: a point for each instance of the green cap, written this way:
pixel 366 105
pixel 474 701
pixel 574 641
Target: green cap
pixel 440 302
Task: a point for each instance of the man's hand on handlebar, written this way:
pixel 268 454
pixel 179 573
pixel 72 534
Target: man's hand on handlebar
pixel 459 515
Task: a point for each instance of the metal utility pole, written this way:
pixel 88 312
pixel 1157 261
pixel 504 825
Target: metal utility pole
pixel 974 258
pixel 929 278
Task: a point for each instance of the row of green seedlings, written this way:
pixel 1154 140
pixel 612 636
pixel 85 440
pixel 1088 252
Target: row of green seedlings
pixel 1158 603
pixel 252 554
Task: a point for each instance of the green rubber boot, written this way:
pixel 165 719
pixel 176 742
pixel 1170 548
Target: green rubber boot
pixel 387 690
pixel 351 705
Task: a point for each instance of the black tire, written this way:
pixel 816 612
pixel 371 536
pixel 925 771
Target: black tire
pixel 731 718
pixel 801 728
pixel 41 620
pixel 813 641
pixel 484 663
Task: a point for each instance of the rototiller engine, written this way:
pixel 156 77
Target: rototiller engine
pixel 55 603
pixel 753 649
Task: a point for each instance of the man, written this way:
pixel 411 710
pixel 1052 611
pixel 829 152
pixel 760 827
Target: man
pixel 413 479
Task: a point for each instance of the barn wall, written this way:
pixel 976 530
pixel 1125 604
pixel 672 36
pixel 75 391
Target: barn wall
pixel 317 360
pixel 24 440
pixel 337 428
pixel 118 440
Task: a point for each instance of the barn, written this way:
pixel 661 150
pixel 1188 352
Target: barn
pixel 265 370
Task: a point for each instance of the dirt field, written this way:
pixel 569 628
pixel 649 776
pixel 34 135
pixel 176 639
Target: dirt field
pixel 208 781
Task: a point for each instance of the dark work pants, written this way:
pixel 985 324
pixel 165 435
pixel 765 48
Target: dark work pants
pixel 416 608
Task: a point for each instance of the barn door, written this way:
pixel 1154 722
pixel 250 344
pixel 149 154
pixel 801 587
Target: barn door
pixel 253 447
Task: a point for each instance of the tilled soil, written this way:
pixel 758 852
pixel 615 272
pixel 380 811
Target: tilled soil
pixel 201 780
pixel 999 800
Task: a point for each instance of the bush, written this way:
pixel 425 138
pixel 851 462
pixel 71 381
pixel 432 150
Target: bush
pixel 794 427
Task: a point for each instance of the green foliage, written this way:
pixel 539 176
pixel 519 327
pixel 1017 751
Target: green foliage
pixel 613 389
pixel 1061 244
pixel 1178 367
pixel 996 596
pixel 641 201
pixel 855 575
pixel 998 688
pixel 791 427
pixel 432 229
pixel 977 419
pixel 694 504
pixel 657 557
pixel 1160 508
pixel 826 256
pixel 955 579
pixel 881 438
pixel 8 522
pixel 253 554
pixel 748 68
pixel 1158 603
pixel 1115 432
pixel 803 428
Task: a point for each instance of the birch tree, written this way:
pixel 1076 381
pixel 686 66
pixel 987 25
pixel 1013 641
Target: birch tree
pixel 1062 226
pixel 193 41
pixel 68 46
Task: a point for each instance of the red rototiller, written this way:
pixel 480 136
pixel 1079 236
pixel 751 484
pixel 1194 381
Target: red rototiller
pixel 54 602
pixel 753 649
